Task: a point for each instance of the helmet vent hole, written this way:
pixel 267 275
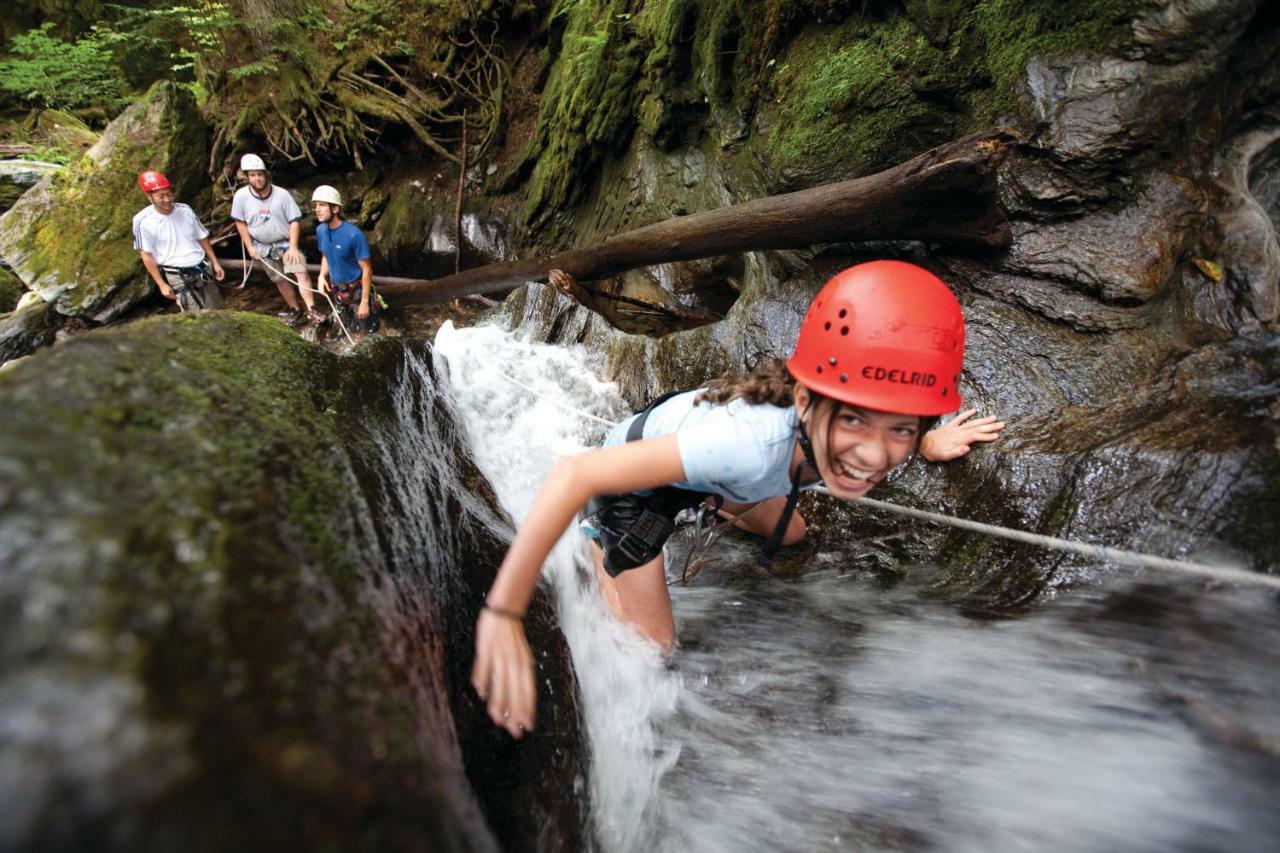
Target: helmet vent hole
pixel 844 312
pixel 844 330
pixel 832 360
pixel 844 377
pixel 820 370
pixel 826 327
pixel 944 390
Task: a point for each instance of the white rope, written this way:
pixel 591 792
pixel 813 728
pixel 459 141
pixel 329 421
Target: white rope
pixel 333 308
pixel 1053 543
pixel 1101 552
pixel 247 266
pixel 555 402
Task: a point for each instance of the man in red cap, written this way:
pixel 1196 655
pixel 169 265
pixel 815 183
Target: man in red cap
pixel 174 247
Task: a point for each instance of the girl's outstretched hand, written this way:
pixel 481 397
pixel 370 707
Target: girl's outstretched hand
pixel 954 438
pixel 503 672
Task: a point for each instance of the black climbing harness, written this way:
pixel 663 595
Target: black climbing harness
pixel 633 528
pixel 193 281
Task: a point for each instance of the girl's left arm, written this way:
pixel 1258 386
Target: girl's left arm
pixel 956 437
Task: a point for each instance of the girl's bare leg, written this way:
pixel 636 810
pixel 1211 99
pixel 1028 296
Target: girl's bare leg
pixel 639 598
pixel 764 518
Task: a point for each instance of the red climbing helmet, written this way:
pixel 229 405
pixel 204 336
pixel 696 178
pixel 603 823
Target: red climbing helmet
pixel 151 180
pixel 886 335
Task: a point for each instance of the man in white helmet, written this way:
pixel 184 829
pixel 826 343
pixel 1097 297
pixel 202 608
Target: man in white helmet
pixel 270 224
pixel 346 270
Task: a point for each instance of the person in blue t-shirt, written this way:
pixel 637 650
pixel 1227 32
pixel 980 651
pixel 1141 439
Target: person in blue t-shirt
pixel 345 269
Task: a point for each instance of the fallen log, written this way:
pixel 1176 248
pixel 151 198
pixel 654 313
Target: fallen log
pixel 945 195
pixel 381 281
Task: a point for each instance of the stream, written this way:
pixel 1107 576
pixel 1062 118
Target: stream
pixel 838 711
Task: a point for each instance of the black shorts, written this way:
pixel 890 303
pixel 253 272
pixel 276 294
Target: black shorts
pixel 632 529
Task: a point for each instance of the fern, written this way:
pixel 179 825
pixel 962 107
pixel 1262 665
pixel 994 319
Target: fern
pixel 251 69
pixel 46 71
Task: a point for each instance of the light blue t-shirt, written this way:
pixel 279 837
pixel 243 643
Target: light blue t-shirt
pixel 342 247
pixel 737 450
pixel 267 219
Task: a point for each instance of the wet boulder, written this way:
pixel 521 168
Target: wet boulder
pixel 239 579
pixel 18 176
pixel 31 325
pixel 70 237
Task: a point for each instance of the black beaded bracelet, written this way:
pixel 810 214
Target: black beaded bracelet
pixel 502 611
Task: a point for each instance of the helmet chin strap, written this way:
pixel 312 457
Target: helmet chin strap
pixel 806 447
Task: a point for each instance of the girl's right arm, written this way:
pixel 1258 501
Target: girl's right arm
pixel 503 671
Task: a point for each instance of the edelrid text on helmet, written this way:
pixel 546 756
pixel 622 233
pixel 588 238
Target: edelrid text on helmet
pixel 151 180
pixel 252 163
pixel 886 335
pixel 328 195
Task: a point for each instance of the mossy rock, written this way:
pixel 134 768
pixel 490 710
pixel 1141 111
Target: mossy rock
pixel 54 134
pixel 70 237
pixel 239 596
pixel 11 290
pixel 24 331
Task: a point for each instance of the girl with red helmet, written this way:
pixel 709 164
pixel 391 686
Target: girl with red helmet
pixel 878 359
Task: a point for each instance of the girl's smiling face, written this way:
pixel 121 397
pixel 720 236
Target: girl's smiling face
pixel 855 447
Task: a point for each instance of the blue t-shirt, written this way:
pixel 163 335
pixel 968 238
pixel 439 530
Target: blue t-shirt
pixel 737 450
pixel 342 247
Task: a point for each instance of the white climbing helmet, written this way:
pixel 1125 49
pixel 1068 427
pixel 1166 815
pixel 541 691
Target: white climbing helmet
pixel 252 163
pixel 328 195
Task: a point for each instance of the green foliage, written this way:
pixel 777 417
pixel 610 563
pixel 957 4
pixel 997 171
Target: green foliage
pixel 193 36
pixel 254 69
pixel 362 22
pixel 49 154
pixel 45 71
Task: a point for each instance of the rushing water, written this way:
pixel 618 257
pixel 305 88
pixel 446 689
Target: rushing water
pixel 833 711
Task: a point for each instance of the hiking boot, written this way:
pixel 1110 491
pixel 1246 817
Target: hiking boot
pixel 318 318
pixel 293 317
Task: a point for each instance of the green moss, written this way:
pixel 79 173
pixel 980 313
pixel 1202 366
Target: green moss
pixel 848 100
pixel 868 93
pixel 588 104
pixel 1012 31
pixel 621 65
pixel 11 290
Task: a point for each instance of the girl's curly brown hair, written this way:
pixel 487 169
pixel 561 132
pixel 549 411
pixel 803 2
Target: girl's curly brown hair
pixel 770 383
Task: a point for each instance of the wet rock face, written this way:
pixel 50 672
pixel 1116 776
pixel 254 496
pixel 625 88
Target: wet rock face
pixel 1154 231
pixel 70 237
pixel 238 584
pixel 1127 335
